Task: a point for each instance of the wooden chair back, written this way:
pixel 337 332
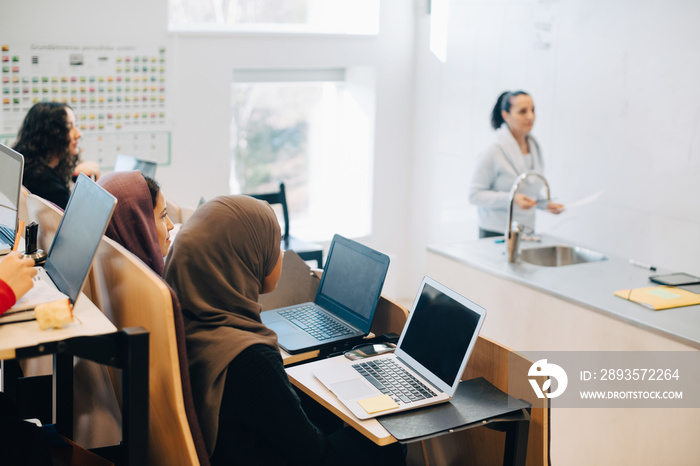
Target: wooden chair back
pixel 390 317
pixel 176 213
pixel 131 294
pixel 47 215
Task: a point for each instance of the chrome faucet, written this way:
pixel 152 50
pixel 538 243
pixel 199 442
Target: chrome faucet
pixel 513 234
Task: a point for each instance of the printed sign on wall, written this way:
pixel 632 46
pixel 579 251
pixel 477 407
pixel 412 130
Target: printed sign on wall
pixel 118 93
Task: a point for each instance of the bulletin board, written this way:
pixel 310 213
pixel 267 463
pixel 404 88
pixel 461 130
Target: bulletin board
pixel 118 92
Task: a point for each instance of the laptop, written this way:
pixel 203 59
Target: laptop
pixel 83 223
pixel 426 366
pixel 345 302
pixel 128 162
pixel 11 169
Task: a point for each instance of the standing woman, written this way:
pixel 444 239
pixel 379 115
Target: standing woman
pixel 513 152
pixel 48 140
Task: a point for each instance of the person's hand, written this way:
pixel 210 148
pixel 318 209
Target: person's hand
pixel 524 202
pixel 90 168
pixel 17 272
pixel 555 208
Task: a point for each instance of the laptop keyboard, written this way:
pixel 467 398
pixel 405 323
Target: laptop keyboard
pixel 316 323
pixel 7 234
pixel 393 380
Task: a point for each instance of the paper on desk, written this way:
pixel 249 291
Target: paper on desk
pixel 584 200
pixel 21 316
pixel 41 292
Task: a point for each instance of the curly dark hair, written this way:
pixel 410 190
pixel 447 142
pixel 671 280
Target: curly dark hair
pixel 45 134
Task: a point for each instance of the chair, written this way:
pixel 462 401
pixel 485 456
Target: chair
pixel 176 213
pixel 307 251
pixel 131 294
pixel 94 405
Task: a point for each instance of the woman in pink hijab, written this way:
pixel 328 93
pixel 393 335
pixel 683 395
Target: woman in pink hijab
pixel 140 221
pixel 141 224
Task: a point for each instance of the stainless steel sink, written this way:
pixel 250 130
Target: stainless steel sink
pixel 558 256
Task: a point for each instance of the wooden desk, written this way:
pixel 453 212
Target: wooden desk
pixel 289 359
pixel 488 360
pixel 301 377
pixel 88 321
pixel 515 423
pixel 92 336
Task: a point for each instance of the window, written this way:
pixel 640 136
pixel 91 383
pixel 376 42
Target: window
pixel 312 129
pixel 301 16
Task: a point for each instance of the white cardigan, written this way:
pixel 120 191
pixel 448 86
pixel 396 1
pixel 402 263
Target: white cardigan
pixel 498 167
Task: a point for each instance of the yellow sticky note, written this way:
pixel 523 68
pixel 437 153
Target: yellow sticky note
pixel 377 404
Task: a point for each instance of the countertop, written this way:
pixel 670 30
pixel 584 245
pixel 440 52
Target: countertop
pixel 590 284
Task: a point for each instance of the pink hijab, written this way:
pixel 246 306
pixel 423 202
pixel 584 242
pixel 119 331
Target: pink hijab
pixel 133 225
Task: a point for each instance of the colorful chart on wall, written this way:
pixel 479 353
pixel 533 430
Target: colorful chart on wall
pixel 118 92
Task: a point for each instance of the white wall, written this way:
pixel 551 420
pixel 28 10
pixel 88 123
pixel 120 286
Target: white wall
pixel 199 80
pixel 616 111
pixel 615 84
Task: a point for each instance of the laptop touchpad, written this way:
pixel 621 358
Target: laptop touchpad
pixel 282 327
pixel 351 389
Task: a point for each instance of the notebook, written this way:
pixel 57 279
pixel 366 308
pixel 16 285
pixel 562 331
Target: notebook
pixel 426 366
pixel 345 302
pixel 83 223
pixel 660 297
pixel 11 168
pixel 128 162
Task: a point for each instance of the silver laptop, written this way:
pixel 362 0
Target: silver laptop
pixel 11 168
pixel 83 223
pixel 345 302
pixel 426 366
pixel 128 162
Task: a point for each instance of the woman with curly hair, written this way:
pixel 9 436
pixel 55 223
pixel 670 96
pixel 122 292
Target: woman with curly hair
pixel 48 140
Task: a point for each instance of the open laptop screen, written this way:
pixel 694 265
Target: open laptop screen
pixel 440 332
pixel 84 222
pixel 128 162
pixel 11 165
pixel 352 281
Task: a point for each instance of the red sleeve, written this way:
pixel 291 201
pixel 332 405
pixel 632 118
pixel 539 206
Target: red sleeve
pixel 7 297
